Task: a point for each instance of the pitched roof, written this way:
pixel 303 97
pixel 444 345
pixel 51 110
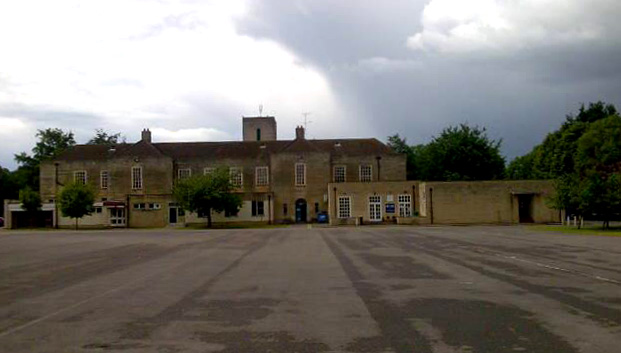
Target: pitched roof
pixel 227 149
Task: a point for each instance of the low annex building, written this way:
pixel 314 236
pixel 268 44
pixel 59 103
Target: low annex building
pixel 352 181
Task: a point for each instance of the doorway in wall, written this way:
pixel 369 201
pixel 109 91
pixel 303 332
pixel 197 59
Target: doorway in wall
pixel 525 205
pixel 375 208
pixel 300 211
pixel 172 215
pixel 117 217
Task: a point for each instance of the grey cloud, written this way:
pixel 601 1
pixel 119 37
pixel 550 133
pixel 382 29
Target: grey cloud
pixel 519 96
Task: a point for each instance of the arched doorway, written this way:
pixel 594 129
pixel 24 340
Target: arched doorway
pixel 300 211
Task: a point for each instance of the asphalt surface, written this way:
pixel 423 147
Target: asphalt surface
pixel 368 289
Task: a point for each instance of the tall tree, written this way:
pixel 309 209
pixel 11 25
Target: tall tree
pixel 103 138
pixel 51 142
pixel 399 145
pixel 593 188
pixel 203 194
pixel 462 153
pixel 76 201
pixel 554 157
pixel 8 188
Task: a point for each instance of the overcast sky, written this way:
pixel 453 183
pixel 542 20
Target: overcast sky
pixel 189 70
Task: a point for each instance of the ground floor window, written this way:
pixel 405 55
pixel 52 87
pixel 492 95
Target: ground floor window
pixel 405 205
pixel 344 207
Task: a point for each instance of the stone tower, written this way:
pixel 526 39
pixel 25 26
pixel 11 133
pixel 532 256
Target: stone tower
pixel 262 128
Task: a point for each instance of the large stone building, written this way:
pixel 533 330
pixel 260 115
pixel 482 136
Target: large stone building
pixel 353 181
pixel 279 180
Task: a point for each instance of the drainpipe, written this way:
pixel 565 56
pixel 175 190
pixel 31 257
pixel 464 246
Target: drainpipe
pixel 332 218
pixel 127 208
pixel 413 199
pixel 269 209
pixel 56 195
pixel 379 175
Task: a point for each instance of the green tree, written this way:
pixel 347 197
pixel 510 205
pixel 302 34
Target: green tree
pixel 203 194
pixel 51 142
pixel 8 188
pixel 399 145
pixel 555 156
pixel 76 201
pixel 103 138
pixel 30 200
pixel 598 163
pixel 461 153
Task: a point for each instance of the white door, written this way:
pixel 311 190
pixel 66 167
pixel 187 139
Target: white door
pixel 117 217
pixel 375 208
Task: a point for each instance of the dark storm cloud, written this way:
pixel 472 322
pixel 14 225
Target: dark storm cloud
pixel 520 94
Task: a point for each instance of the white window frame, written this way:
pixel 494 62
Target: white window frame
pixel 208 170
pixel 365 178
pixel 374 201
pixel 257 176
pixel 236 171
pixel 300 180
pixel 84 179
pixel 137 180
pixel 344 175
pixel 405 205
pixel 343 212
pixel 182 171
pixel 104 179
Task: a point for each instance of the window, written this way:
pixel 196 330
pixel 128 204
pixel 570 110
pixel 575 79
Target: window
pixel 300 174
pixel 79 176
pixel 344 207
pixel 316 207
pixel 208 171
pixel 98 210
pixel 258 208
pixel 154 206
pixel 284 209
pixel 366 173
pixel 137 178
pixel 261 176
pixel 184 173
pixel 236 177
pixel 405 205
pixel 339 173
pixel 104 179
pixel 258 134
pixel 140 206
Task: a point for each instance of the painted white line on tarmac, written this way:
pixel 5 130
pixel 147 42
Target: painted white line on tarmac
pixel 561 269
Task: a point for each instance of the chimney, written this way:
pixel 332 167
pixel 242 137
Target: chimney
pixel 299 133
pixel 146 135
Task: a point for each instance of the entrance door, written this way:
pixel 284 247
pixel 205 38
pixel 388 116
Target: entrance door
pixel 525 203
pixel 375 208
pixel 300 210
pixel 117 217
pixel 172 215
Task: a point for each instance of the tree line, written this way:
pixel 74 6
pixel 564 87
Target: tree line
pixel 583 157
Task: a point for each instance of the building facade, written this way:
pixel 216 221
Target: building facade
pixel 280 181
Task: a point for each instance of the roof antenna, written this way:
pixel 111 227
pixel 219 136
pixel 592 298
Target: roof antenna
pixel 306 121
pixel 261 109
